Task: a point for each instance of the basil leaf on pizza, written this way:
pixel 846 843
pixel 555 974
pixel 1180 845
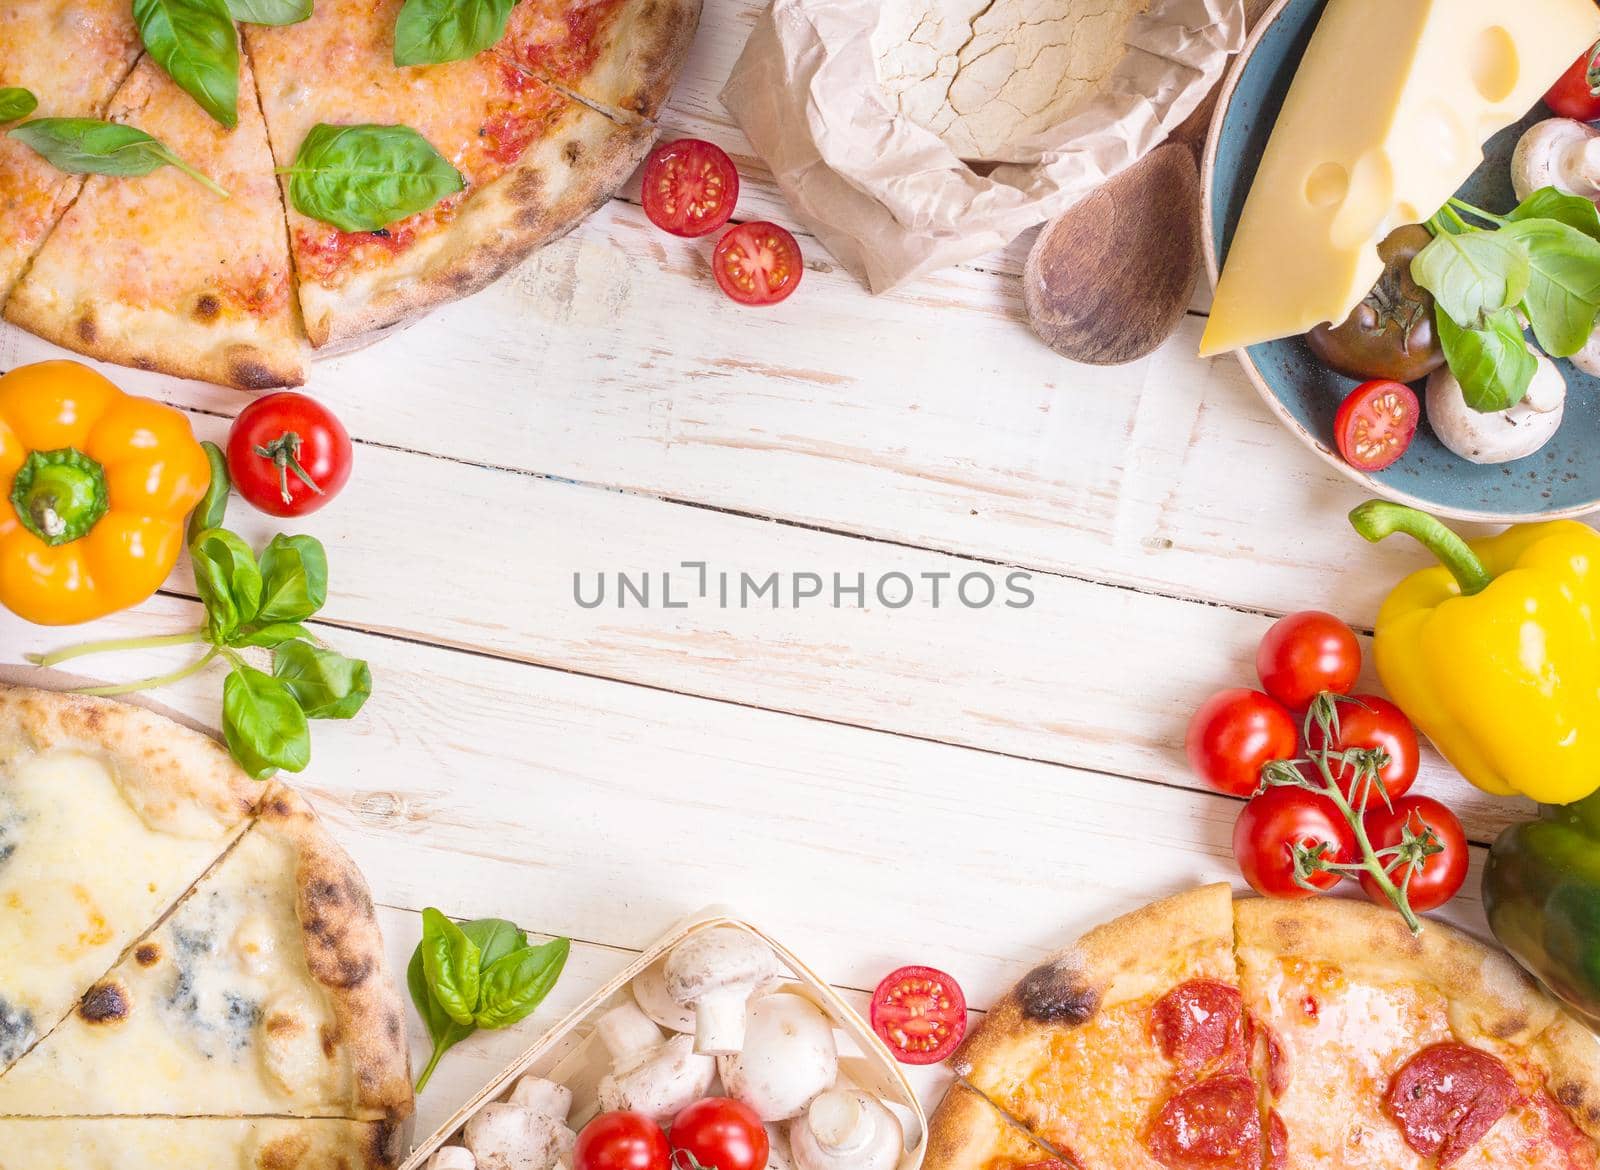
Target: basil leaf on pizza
pixel 430 32
pixel 270 12
pixel 262 722
pixel 86 146
pixel 196 43
pixel 363 178
pixel 16 102
pixel 325 683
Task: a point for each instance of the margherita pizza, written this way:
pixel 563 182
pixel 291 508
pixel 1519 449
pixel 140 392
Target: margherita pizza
pixel 1197 1034
pixel 159 272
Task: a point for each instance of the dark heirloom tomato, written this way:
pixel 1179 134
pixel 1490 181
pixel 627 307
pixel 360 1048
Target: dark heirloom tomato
pixel 757 263
pixel 1390 334
pixel 920 1013
pixel 1574 95
pixel 690 187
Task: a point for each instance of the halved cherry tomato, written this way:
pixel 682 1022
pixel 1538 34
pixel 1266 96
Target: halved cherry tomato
pixel 920 1013
pixel 1235 734
pixel 287 454
pixel 1270 825
pixel 719 1133
pixel 1573 96
pixel 690 187
pixel 1438 878
pixel 1375 424
pixel 757 263
pixel 1371 721
pixel 1307 653
pixel 622 1141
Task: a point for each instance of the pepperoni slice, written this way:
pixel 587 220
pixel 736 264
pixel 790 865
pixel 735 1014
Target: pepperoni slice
pixel 1448 1096
pixel 1215 1125
pixel 1277 1142
pixel 1277 1058
pixel 1199 1026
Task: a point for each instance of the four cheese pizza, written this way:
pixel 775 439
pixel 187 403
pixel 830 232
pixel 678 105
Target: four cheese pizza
pixel 178 942
pixel 159 272
pixel 1197 1034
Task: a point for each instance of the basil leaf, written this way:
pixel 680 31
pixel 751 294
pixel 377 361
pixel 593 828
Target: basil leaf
pixel 16 102
pixel 1493 365
pixel 1563 297
pixel 451 962
pixel 496 938
pixel 362 178
pixel 1474 273
pixel 84 146
pixel 1549 203
pixel 326 684
pixel 517 984
pixel 442 1030
pixel 429 32
pixel 196 43
pixel 263 725
pixel 213 506
pixel 228 580
pixel 272 635
pixel 294 572
pixel 274 12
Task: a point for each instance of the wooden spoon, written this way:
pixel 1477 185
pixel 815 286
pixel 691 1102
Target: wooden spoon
pixel 1109 279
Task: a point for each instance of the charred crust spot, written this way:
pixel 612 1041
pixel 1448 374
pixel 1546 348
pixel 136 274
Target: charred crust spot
pixel 330 1040
pixel 278 1024
pixel 572 151
pixel 147 954
pixel 93 717
pixel 1289 932
pixel 392 1026
pixel 1055 994
pixel 105 1003
pixel 1508 1026
pixel 531 217
pixel 526 187
pixel 207 307
pixel 86 329
pixel 144 363
pixel 1570 1094
pixel 281 807
pixel 248 374
pixel 284 1153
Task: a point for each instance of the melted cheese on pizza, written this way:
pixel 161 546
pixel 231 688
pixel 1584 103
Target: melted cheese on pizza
pixel 167 1144
pixel 562 39
pixel 1341 1042
pixel 81 875
pixel 215 1012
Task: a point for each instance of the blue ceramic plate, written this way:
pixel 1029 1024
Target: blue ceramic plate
pixel 1563 479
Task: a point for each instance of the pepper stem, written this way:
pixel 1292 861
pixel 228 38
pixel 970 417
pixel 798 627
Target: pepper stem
pixel 1377 519
pixel 60 495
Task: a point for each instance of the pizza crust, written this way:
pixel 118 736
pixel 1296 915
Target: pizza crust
pixel 966 1132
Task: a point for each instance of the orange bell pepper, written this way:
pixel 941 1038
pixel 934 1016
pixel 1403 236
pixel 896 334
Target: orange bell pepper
pixel 97 484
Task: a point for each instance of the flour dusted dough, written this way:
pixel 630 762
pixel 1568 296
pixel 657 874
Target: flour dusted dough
pixel 985 74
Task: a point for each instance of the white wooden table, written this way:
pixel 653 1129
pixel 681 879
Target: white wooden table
pixel 965 787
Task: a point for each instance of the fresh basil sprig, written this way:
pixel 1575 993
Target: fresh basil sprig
pixel 363 178
pixel 429 32
pixel 85 146
pixel 479 974
pixel 1492 364
pixel 274 12
pixel 16 102
pixel 196 42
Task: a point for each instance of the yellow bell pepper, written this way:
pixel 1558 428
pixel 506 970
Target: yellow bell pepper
pixel 1495 653
pixel 96 487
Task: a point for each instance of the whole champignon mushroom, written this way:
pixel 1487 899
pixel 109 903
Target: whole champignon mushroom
pixel 715 972
pixel 846 1129
pixel 506 1136
pixel 1559 153
pixel 546 1099
pixel 452 1158
pixel 1503 435
pixel 648 1075
pixel 1587 359
pixel 651 994
pixel 789 1057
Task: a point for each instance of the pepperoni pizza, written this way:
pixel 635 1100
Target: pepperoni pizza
pixel 1197 1034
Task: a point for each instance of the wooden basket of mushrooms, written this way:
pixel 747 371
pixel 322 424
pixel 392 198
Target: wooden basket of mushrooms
pixel 715 1008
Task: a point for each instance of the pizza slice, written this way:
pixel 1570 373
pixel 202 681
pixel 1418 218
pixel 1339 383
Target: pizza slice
pixel 71 55
pixel 620 55
pixel 535 162
pixel 159 272
pixel 108 813
pixel 262 993
pixel 155 1143
pixel 966 1132
pixel 1129 1049
pixel 1410 1053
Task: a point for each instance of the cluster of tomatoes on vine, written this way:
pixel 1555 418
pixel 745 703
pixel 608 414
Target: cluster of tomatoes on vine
pixel 1330 790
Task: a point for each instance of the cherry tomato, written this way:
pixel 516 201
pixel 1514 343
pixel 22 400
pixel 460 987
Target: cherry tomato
pixel 719 1133
pixel 1270 824
pixel 1374 722
pixel 1574 95
pixel 1307 653
pixel 621 1141
pixel 1376 424
pixel 1440 876
pixel 689 187
pixel 757 263
pixel 920 1013
pixel 287 454
pixel 1235 734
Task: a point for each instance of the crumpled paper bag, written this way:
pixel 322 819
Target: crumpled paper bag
pixel 887 197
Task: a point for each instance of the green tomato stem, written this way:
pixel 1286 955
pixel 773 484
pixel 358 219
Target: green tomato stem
pixel 1377 519
pixel 110 645
pixel 150 684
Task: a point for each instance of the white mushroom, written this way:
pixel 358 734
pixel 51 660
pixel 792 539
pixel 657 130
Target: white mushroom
pixel 846 1129
pixel 1497 436
pixel 1587 359
pixel 546 1099
pixel 648 1075
pixel 789 1057
pixel 452 1158
pixel 506 1136
pixel 715 972
pixel 651 994
pixel 779 1155
pixel 1559 153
